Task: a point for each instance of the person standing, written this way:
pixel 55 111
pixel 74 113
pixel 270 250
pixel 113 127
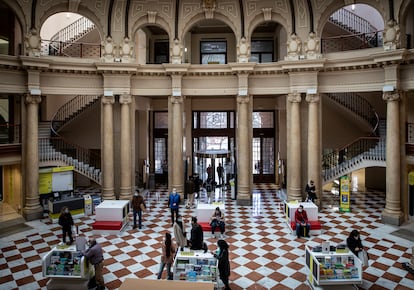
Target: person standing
pixel 180 233
pixel 209 172
pixel 174 204
pixel 310 190
pixel 190 192
pixel 301 220
pixel 217 220
pixel 66 222
pixel 167 258
pixel 95 256
pixel 222 256
pixel 354 244
pixel 196 241
pixel 138 205
pixel 220 173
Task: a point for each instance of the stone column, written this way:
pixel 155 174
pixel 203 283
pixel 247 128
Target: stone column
pixel 244 151
pixel 125 191
pixel 392 213
pixel 176 174
pixel 32 210
pixel 108 148
pixel 314 144
pixel 294 161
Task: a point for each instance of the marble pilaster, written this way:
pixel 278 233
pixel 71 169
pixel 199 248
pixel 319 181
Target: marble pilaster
pixel 108 148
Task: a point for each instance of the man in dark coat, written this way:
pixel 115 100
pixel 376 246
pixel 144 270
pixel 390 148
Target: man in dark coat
pixel 66 222
pixel 197 236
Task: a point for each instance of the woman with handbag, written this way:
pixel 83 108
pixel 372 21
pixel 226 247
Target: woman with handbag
pixel 354 243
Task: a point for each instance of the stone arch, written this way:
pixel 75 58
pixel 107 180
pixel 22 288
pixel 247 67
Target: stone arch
pixel 200 16
pixel 404 12
pixel 142 22
pixel 335 5
pixel 259 19
pixel 20 16
pixel 81 11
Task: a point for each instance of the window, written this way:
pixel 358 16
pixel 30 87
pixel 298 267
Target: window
pixel 263 119
pixel 261 51
pixel 213 52
pixel 161 120
pixel 161 52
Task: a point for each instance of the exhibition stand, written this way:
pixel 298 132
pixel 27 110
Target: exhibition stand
pixel 311 211
pixel 144 284
pixel 111 216
pixel 205 211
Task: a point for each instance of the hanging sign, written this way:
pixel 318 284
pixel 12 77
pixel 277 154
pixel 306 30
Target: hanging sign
pixel 344 194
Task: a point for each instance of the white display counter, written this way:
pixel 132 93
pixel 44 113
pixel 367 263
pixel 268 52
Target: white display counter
pixel 310 207
pixel 205 211
pixel 111 216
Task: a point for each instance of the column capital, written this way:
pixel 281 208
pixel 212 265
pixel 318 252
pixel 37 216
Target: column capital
pixel 294 98
pixel 243 99
pixel 391 96
pixel 32 99
pixel 125 99
pixel 312 98
pixel 108 100
pixel 176 99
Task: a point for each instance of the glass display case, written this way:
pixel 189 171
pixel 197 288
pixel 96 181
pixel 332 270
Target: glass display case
pixel 195 267
pixel 332 267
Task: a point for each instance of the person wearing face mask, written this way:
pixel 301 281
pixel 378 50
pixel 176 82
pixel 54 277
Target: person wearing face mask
pixel 174 204
pixel 138 205
pixel 180 233
pixel 66 222
pixel 301 220
pixel 222 255
pixel 95 256
pixel 354 243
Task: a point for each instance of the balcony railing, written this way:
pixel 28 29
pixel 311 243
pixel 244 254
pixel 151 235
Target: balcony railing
pixel 9 133
pixel 352 42
pixel 74 49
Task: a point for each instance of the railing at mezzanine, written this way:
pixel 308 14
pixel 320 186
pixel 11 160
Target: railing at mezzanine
pixel 351 42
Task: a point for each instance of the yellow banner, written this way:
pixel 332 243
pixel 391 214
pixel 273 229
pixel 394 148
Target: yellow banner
pixel 411 178
pixel 45 182
pixel 345 195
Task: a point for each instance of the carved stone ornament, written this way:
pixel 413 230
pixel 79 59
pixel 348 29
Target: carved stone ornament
pixel 108 49
pixel 312 98
pixel 294 98
pixel 294 47
pixel 33 43
pixel 152 16
pixel 267 14
pixel 176 52
pixel 126 50
pixel 391 35
pixel 243 99
pixel 312 46
pixel 243 50
pixel 176 99
pixel 209 6
pixel 108 100
pixel 391 96
pixel 125 99
pixel 32 99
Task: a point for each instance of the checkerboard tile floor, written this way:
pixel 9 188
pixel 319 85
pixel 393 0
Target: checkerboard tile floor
pixel 264 253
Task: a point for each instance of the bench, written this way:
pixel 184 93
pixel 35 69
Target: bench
pixel 107 225
pixel 207 227
pixel 315 227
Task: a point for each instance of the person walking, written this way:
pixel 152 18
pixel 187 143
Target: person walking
pixel 95 256
pixel 222 256
pixel 220 173
pixel 138 206
pixel 167 258
pixel 66 222
pixel 180 233
pixel 174 204
pixel 190 192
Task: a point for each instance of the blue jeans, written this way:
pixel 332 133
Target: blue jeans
pixel 139 213
pixel 216 223
pixel 169 274
pixel 299 229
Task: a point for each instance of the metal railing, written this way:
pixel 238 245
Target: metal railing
pixel 75 49
pixel 73 31
pixel 70 110
pixel 358 105
pixel 351 42
pixel 351 22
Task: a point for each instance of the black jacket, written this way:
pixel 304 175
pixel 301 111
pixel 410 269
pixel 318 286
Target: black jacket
pixel 197 237
pixel 66 220
pixel 353 243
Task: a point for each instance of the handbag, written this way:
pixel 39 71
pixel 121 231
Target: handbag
pixel 363 256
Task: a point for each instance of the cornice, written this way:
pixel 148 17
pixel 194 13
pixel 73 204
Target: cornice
pixel 391 57
pixel 116 68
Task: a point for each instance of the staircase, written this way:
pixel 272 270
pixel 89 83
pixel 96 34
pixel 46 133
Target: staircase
pixel 54 150
pixel 363 152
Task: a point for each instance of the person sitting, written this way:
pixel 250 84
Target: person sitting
pixel 310 191
pixel 301 220
pixel 196 241
pixel 217 220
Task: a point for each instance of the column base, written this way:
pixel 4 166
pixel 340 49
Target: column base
pixel 395 219
pixel 33 213
pixel 245 202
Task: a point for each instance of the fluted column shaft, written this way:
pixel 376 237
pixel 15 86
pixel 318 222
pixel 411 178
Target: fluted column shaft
pixel 126 165
pixel 314 143
pixel 176 174
pixel 108 148
pixel 244 149
pixel 392 213
pixel 33 209
pixel 294 151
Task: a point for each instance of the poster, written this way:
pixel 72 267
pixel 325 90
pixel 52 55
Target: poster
pixel 344 194
pixel 55 179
